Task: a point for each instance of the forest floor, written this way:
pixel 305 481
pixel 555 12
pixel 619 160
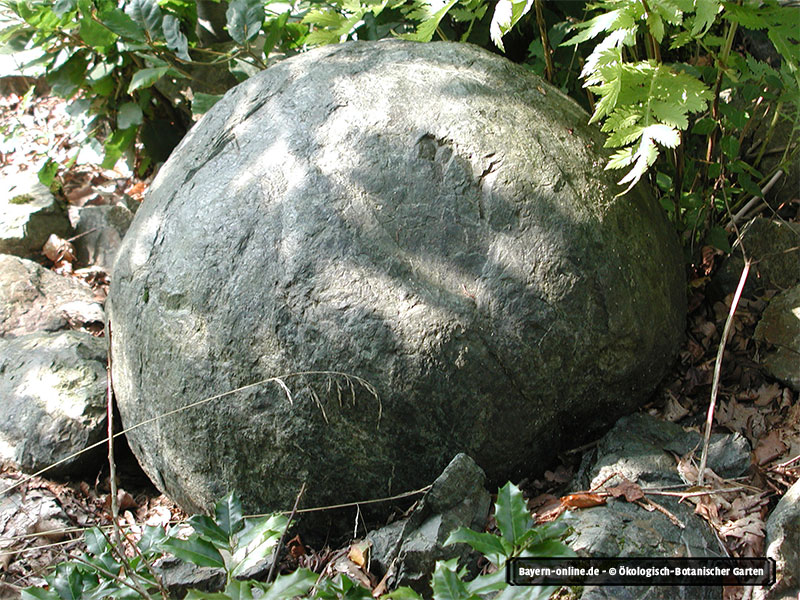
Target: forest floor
pixel 750 403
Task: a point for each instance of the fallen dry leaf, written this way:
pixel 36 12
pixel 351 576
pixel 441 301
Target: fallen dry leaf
pixel 628 490
pixel 769 448
pixel 582 500
pixel 60 251
pixel 359 553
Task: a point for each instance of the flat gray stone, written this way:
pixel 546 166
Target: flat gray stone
pixel 642 448
pixel 53 400
pixel 421 216
pixel 28 215
pixel 780 328
pixel 33 298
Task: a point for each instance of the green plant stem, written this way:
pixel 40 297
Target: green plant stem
pixel 677 182
pixel 770 131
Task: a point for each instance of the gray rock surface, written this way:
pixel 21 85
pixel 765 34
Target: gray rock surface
pixel 768 243
pixel 410 548
pixel 178 577
pixel 418 215
pixel 103 228
pixel 33 298
pixel 28 215
pixel 52 398
pixel 642 449
pixel 783 545
pixel 780 328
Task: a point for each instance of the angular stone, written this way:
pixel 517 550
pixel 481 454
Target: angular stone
pixel 33 298
pixel 428 217
pixel 411 548
pixel 178 577
pixel 28 215
pixel 780 327
pixel 53 400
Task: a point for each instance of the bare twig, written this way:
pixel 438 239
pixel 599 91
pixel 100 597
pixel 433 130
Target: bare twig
pixel 649 505
pixel 275 554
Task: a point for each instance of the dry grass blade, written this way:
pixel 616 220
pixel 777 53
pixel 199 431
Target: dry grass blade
pixel 718 369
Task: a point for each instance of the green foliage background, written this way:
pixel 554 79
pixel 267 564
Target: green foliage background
pixel 683 101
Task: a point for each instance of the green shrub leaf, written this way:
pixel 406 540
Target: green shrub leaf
pixel 195 550
pixel 447 585
pixel 144 78
pixel 129 115
pixel 202 103
pixel 245 18
pixel 33 593
pixel 257 541
pixel 176 40
pixel 94 34
pixel 506 15
pixel 121 24
pixel 289 586
pixel 62 7
pixel 116 145
pixel 147 14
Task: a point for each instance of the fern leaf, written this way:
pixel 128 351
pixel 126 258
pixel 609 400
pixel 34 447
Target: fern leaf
pixel 506 14
pixel 430 20
pixel 594 27
pixel 705 14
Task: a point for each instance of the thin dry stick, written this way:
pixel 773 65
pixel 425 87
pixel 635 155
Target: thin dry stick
pixel 274 564
pixel 717 369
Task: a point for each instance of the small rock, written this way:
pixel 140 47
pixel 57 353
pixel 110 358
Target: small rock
pixel 783 545
pixel 780 327
pixel 178 577
pixel 28 215
pixel 103 228
pixel 411 547
pixel 33 298
pixel 52 398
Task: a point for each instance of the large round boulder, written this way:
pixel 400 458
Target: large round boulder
pixel 430 222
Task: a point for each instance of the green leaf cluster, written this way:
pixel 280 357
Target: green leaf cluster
pixel 236 544
pixel 133 65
